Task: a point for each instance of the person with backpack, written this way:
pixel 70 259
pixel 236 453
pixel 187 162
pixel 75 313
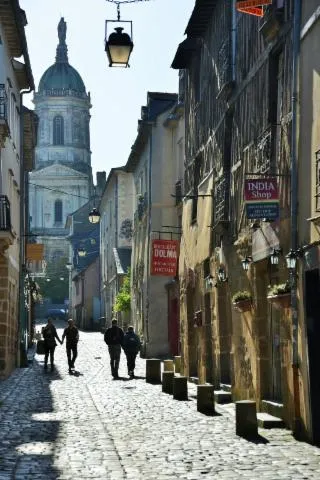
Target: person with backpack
pixel 49 334
pixel 71 333
pixel 131 347
pixel 114 337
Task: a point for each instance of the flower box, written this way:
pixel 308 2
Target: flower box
pixel 243 305
pixel 280 301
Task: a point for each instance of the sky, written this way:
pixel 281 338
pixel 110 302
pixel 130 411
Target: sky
pixel 117 94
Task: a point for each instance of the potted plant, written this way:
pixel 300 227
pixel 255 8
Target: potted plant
pixel 280 295
pixel 242 301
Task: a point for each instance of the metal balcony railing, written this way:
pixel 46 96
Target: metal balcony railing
pixel 5 219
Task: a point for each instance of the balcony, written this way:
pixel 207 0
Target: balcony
pixel 6 235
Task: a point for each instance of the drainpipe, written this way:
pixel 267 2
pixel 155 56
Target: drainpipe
pixel 294 212
pixel 22 212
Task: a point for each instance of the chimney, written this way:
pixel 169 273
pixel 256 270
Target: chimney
pixel 101 182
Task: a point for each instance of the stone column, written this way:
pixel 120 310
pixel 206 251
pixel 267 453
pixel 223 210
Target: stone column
pixel 167 382
pixel 168 366
pixel 180 388
pixel 246 419
pixel 205 399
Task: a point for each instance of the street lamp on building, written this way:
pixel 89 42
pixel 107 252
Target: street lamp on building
pixel 245 263
pixel 222 277
pixel 274 257
pixel 94 215
pixel 82 252
pixel 291 259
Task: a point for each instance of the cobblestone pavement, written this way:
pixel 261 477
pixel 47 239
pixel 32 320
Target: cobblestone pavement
pixel 89 426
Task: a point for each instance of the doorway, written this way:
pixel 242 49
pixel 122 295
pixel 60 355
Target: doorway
pixel 313 340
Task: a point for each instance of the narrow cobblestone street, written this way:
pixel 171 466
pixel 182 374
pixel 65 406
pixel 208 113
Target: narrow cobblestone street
pixel 89 426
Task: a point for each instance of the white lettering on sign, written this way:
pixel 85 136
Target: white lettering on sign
pixel 165 253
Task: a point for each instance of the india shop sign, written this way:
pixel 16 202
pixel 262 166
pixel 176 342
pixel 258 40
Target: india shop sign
pixel 164 257
pixel 262 198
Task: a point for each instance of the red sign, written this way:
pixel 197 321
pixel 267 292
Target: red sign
pixel 253 7
pixel 261 190
pixel 164 257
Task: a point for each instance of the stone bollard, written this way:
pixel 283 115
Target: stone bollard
pixel 168 366
pixel 205 399
pixel 177 364
pixel 246 419
pixel 167 382
pixel 153 370
pixel 180 388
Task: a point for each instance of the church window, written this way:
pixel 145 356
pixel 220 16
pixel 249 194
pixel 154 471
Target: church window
pixel 58 211
pixel 58 130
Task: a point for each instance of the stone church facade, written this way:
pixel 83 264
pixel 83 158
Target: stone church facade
pixel 62 180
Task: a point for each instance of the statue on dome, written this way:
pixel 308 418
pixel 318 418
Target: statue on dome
pixel 62 30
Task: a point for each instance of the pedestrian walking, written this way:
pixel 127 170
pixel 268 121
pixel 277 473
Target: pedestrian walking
pixel 114 338
pixel 131 347
pixel 49 333
pixel 71 333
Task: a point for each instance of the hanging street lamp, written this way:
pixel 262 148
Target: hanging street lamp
pixel 119 44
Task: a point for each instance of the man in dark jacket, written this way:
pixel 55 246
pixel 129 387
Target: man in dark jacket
pixel 49 334
pixel 131 347
pixel 114 338
pixel 72 335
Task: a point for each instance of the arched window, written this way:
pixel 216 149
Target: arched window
pixel 58 130
pixel 58 211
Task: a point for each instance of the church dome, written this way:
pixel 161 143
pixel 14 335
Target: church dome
pixel 61 76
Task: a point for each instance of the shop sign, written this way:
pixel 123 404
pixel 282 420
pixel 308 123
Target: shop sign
pixel 34 251
pixel 164 257
pixel 252 7
pixel 262 198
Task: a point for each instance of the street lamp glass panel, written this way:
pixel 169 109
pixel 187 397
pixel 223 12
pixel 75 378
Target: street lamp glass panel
pixel 94 216
pixel 291 260
pixel 274 257
pixel 118 48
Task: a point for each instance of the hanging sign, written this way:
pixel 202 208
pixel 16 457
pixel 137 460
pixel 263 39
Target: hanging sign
pixel 262 198
pixel 253 7
pixel 34 251
pixel 164 257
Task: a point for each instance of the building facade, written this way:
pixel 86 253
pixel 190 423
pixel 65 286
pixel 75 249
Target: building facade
pixel 240 125
pixel 116 209
pixel 153 164
pixel 16 145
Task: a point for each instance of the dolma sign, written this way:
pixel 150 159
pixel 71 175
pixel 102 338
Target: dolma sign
pixel 164 257
pixel 261 197
pixel 253 7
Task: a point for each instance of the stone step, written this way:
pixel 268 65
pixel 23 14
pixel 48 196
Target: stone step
pixel 222 396
pixel 265 420
pixel 272 407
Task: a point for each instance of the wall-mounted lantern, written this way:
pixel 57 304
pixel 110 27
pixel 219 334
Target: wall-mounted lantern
pixel 81 252
pixel 275 255
pixel 222 276
pixel 246 262
pixel 94 215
